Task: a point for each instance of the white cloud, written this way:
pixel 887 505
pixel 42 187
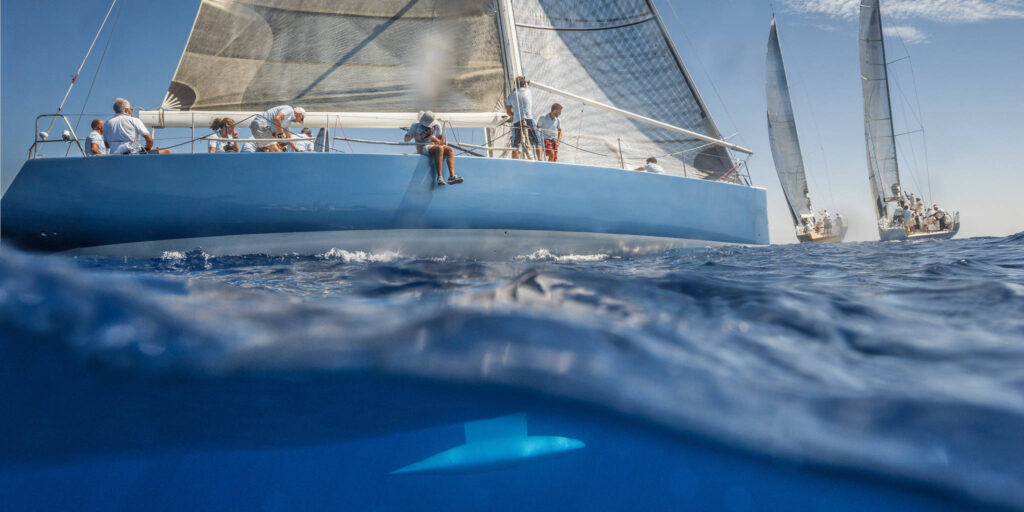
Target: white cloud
pixel 910 35
pixel 947 11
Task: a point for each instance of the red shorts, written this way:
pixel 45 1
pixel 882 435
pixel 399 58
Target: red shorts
pixel 551 145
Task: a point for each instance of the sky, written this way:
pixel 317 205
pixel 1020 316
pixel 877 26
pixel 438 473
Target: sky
pixel 966 63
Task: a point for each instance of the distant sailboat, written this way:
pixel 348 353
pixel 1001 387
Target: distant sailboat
pixel 786 151
pixel 883 163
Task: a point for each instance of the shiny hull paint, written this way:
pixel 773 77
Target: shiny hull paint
pixel 59 205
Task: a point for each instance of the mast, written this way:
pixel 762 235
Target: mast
pixel 510 56
pixel 511 59
pixel 888 92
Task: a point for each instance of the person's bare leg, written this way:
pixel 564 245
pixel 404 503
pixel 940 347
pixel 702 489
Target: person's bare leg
pixel 438 160
pixel 515 155
pixel 450 154
pixel 540 154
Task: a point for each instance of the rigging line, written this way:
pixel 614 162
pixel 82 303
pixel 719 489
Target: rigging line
pixel 88 94
pixel 920 116
pixel 704 68
pixel 82 65
pixel 904 106
pixel 817 135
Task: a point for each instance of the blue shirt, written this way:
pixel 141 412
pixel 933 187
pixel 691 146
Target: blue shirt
pixel 268 117
pixel 95 138
pixel 248 147
pixel 549 126
pixel 521 101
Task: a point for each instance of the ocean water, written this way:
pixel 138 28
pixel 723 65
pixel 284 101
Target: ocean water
pixel 862 376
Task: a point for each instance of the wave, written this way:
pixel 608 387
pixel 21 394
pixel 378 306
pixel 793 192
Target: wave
pixel 858 356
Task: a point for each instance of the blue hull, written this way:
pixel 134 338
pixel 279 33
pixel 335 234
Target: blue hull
pixel 57 205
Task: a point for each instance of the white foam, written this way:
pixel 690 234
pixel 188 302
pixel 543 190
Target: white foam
pixel 359 256
pixel 173 255
pixel 546 255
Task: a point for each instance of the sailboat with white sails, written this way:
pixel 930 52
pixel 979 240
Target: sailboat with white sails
pixel 789 163
pixel 374 64
pixel 894 223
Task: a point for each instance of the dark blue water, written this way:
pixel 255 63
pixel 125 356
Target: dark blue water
pixel 852 377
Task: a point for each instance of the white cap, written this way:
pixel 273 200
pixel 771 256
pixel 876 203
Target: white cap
pixel 299 110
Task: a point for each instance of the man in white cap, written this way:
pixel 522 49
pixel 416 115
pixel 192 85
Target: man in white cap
pixel 122 132
pixel 274 123
pixel 430 141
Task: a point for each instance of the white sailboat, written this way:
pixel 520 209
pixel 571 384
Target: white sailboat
pixel 883 161
pixel 374 64
pixel 789 163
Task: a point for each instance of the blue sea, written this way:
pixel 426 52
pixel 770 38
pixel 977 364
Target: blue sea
pixel 861 376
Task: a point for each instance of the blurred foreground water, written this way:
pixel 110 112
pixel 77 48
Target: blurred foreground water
pixel 845 377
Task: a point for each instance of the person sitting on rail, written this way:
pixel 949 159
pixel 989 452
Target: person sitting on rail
pixel 223 129
pixel 430 141
pixel 304 143
pixel 122 132
pixel 274 123
pixel 96 145
pixel 550 127
pixel 519 106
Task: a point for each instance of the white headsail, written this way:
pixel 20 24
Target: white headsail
pixel 878 125
pixel 785 143
pixel 332 56
pixel 618 53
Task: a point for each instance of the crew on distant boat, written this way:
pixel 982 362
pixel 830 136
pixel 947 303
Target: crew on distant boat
pixel 122 132
pixel 97 146
pixel 519 106
pixel 652 166
pixel 223 128
pixel 550 127
pixel 897 216
pixel 274 123
pixel 430 141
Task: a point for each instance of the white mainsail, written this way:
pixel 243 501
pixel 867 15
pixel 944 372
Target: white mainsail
pixel 782 132
pixel 878 124
pixel 617 52
pixel 456 57
pixel 351 56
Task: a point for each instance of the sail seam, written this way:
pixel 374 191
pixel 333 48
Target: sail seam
pixel 585 29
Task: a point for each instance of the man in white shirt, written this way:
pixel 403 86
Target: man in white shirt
pixel 304 143
pixel 550 127
pixel 652 166
pixel 274 123
pixel 122 132
pixel 519 106
pixel 96 145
